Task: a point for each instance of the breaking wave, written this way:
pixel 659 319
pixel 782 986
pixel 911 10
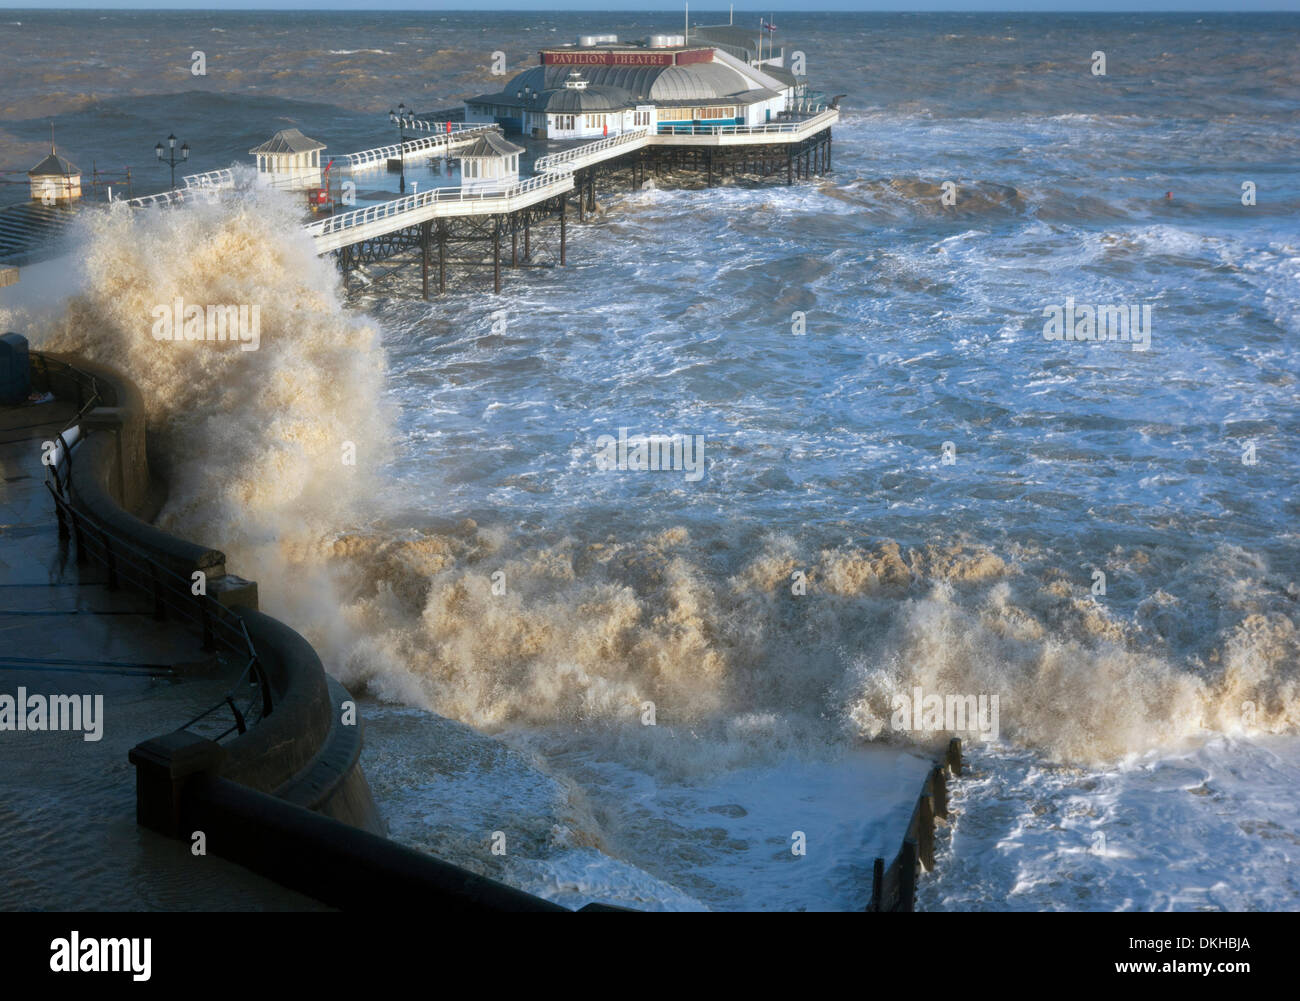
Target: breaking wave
pixel 589 628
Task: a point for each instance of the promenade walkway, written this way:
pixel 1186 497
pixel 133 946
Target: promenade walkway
pixel 68 835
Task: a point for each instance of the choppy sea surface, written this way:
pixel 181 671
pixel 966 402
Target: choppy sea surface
pixel 825 340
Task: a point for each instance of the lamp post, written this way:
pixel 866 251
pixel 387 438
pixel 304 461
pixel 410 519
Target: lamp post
pixel 398 118
pixel 171 160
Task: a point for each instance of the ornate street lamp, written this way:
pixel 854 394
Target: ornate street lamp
pixel 171 160
pixel 398 118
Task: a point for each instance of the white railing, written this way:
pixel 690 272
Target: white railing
pixel 413 203
pixel 805 106
pixel 174 197
pixel 746 130
pixel 445 127
pixel 211 179
pixel 425 144
pixel 560 161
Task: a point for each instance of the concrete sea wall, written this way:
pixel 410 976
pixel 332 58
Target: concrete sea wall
pixel 286 796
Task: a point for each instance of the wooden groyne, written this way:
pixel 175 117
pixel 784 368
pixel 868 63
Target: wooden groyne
pixel 893 887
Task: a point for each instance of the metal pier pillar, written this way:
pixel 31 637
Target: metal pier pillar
pixel 496 256
pixel 563 221
pixel 426 231
pixel 442 256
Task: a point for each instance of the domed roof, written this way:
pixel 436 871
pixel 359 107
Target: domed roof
pixel 597 98
pixel 699 82
pixel 623 85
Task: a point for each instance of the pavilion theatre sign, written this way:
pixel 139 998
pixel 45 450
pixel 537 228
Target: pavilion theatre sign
pixel 569 58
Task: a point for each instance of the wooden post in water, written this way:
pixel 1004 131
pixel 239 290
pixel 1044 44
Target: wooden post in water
pixel 907 877
pixel 563 204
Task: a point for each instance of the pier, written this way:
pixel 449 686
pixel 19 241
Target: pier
pixel 475 222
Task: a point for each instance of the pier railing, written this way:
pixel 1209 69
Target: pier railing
pixel 565 158
pixel 413 203
pixel 421 125
pixel 210 179
pixel 828 116
pixel 380 155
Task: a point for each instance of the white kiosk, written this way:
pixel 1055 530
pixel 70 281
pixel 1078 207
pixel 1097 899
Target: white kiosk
pixel 489 162
pixel 289 160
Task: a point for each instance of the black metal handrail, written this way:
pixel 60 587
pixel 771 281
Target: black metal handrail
pixel 131 565
pixel 88 398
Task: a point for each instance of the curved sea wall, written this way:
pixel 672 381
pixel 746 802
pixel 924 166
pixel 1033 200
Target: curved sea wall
pixel 301 751
pixel 286 797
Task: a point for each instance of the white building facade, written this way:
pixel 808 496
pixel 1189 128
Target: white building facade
pixel 604 88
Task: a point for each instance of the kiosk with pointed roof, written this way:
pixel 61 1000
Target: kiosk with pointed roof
pixel 289 160
pixel 54 179
pixel 490 161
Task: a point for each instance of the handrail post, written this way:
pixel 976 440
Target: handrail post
pixel 268 703
pixel 109 560
pixel 206 618
pixel 159 607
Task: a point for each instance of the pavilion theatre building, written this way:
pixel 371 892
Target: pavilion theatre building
pixel 602 88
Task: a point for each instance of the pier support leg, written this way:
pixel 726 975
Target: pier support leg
pixel 528 250
pixel 789 168
pixel 426 231
pixel 591 193
pixel 514 247
pixel 496 256
pixel 442 256
pixel 708 158
pixel 563 230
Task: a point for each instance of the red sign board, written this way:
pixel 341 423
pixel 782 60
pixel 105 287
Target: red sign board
pixel 579 57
